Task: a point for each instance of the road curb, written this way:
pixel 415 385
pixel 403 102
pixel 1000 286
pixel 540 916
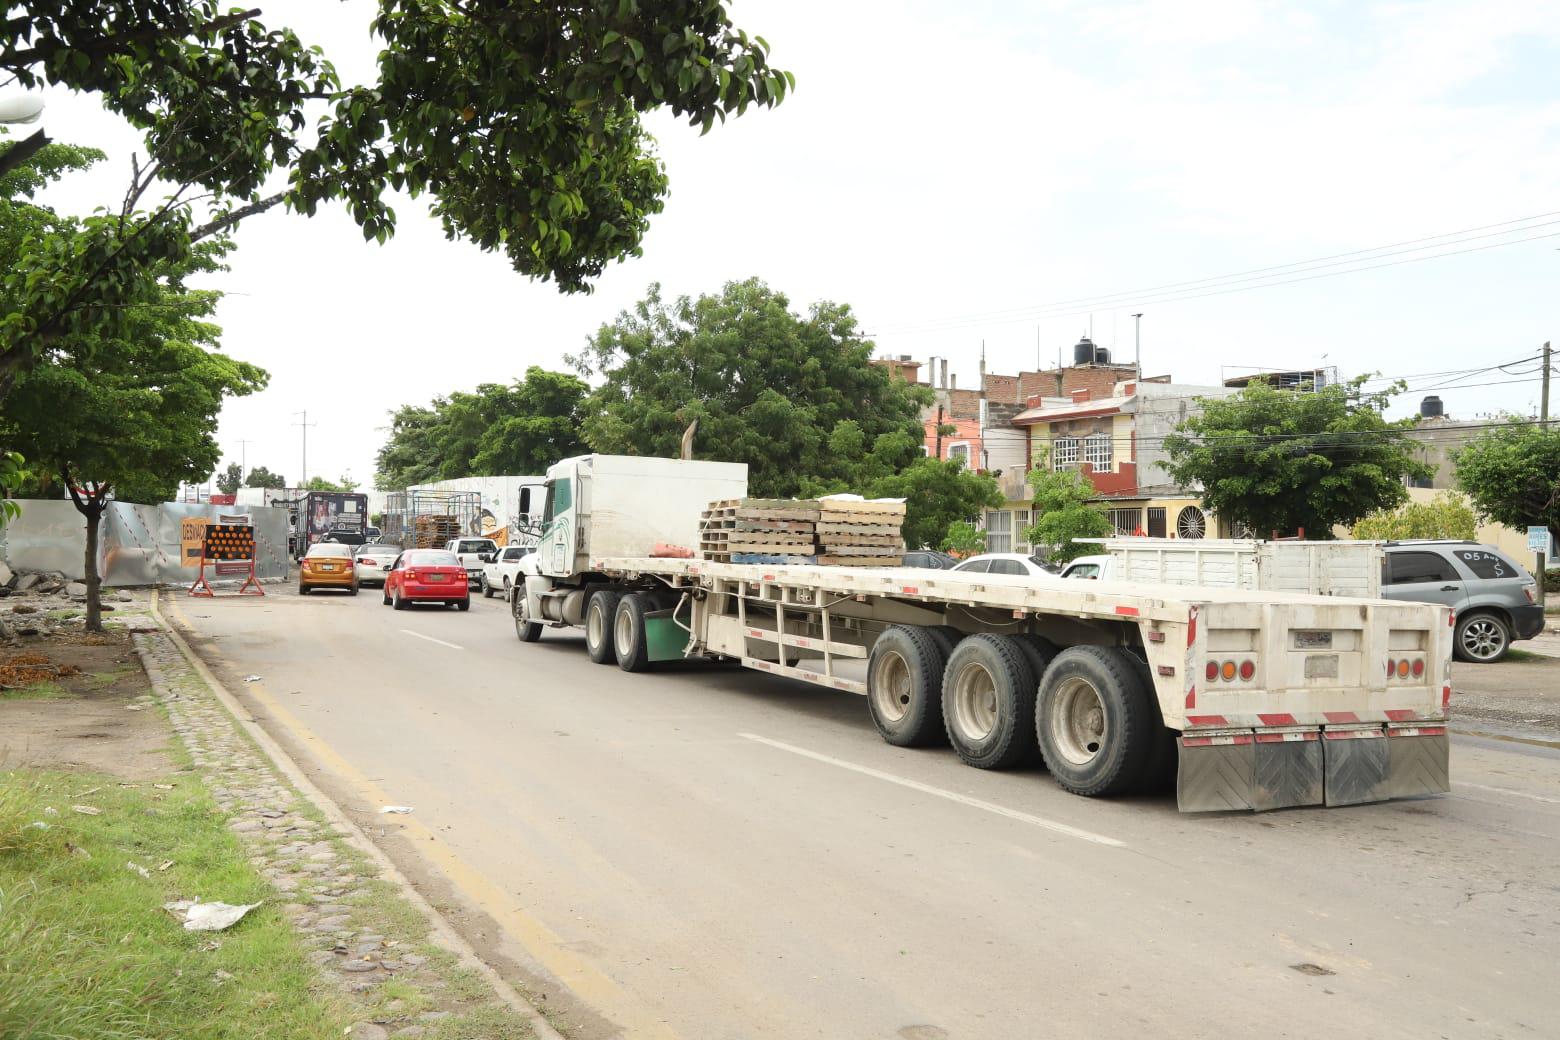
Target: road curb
pixel 353 835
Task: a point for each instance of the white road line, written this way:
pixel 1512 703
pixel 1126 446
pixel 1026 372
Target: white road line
pixel 430 639
pixel 952 796
pixel 1507 790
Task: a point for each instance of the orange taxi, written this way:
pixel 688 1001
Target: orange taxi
pixel 327 565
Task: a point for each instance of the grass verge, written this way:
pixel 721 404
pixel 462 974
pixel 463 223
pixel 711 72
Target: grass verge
pixel 86 949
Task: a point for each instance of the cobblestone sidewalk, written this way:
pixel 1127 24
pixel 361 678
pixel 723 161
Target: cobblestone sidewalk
pixel 376 945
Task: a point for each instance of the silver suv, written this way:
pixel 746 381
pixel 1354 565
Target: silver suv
pixel 1493 599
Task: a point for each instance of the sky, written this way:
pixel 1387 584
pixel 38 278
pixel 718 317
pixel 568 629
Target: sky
pixel 984 176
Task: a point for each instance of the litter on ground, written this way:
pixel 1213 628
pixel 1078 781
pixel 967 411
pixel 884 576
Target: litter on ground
pixel 207 917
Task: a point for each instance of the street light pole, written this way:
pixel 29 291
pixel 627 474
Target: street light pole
pixel 305 424
pixel 1137 345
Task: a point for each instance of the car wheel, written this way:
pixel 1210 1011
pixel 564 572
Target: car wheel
pixel 386 599
pixel 506 586
pixel 303 590
pixel 354 589
pixel 1482 638
pixel 463 604
pixel 487 590
pixel 397 602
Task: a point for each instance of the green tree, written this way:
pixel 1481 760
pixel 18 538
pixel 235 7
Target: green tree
pixel 143 413
pixel 497 430
pixel 964 539
pixel 1282 460
pixel 230 479
pixel 938 494
pixel 1063 513
pixel 524 127
pixel 260 477
pixel 793 396
pixel 1445 516
pixel 1512 474
pixel 321 484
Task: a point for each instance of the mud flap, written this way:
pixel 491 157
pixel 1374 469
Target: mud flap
pixel 1418 761
pixel 1288 769
pixel 1357 766
pixel 1216 772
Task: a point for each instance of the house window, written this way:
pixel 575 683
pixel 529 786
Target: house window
pixel 1064 453
pixel 960 452
pixel 999 531
pixel 1126 521
pixel 1097 453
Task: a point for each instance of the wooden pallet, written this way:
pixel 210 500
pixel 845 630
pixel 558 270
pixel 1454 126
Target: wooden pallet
pixel 836 549
pixel 879 507
pixel 804 527
pixel 826 527
pixel 793 548
pixel 855 561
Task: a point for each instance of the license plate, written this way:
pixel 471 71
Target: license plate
pixel 1313 640
pixel 327 566
pixel 438 577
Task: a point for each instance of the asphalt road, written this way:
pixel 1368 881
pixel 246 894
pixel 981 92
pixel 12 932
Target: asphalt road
pixel 707 852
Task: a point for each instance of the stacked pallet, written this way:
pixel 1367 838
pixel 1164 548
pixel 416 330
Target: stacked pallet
pixel 432 530
pixel 715 526
pixel 860 533
pixel 774 530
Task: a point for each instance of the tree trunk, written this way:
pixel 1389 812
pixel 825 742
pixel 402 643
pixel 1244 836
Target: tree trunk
pixel 94 515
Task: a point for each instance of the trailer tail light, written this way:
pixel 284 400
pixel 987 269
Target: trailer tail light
pixel 1247 670
pixel 1419 668
pixel 1227 672
pixel 1213 671
pixel 1402 669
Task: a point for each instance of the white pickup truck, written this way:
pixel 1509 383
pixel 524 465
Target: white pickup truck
pixel 473 553
pixel 500 574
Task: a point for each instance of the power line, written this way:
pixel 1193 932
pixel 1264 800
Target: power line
pixel 1136 301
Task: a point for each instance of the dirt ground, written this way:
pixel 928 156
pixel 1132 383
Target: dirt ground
pixel 90 720
pixel 1519 697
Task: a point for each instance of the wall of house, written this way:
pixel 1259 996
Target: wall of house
pixel 966 438
pixel 1160 408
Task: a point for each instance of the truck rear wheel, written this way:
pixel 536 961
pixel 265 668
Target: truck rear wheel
pixel 527 630
pixel 988 701
pixel 1096 720
pixel 599 614
pixel 904 683
pixel 947 637
pixel 628 632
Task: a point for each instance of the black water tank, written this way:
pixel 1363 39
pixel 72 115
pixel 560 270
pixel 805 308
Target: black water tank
pixel 1083 352
pixel 1430 408
pixel 1101 356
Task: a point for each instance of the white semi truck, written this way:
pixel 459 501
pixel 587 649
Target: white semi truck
pixel 1249 699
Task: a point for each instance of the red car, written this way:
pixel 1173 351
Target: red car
pixel 427 576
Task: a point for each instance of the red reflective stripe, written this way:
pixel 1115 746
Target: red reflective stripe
pixel 909 590
pixel 1207 720
pixel 1191 627
pixel 1191 697
pixel 1401 714
pixel 1341 716
pixel 1277 720
pixel 1446 696
pixel 769 577
pixel 1127 611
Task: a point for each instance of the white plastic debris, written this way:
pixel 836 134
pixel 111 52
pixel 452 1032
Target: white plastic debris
pixel 86 810
pixel 207 917
pixel 399 810
pixel 131 865
pixel 251 678
pixel 49 810
pixel 37 825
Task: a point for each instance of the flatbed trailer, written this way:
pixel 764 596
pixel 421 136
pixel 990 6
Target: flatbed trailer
pixel 1247 699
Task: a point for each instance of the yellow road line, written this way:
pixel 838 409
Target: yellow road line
pixel 583 979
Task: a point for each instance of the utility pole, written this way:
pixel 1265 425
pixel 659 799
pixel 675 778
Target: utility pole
pixel 1543 424
pixel 305 424
pixel 1137 345
pixel 243 464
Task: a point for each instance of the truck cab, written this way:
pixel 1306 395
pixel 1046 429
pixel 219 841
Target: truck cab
pixel 473 553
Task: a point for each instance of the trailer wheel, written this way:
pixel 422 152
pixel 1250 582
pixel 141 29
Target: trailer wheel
pixel 628 632
pixel 904 680
pixel 599 614
pixel 988 700
pixel 1096 720
pixel 947 637
pixel 529 631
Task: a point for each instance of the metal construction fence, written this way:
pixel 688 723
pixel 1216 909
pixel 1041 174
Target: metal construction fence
pixel 137 544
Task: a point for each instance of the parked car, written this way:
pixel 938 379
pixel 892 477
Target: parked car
pixel 372 561
pixel 929 559
pixel 1097 568
pixel 1493 599
pixel 498 575
pixel 473 553
pixel 427 576
pixel 327 565
pixel 1006 563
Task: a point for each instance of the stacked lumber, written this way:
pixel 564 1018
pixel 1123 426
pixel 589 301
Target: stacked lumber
pixel 774 530
pixel 432 530
pixel 838 532
pixel 860 533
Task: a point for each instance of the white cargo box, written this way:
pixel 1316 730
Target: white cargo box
pixel 1349 568
pixel 632 503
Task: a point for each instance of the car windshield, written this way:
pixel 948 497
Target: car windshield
pixel 476 545
pixel 431 558
pixel 334 549
pixel 375 549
